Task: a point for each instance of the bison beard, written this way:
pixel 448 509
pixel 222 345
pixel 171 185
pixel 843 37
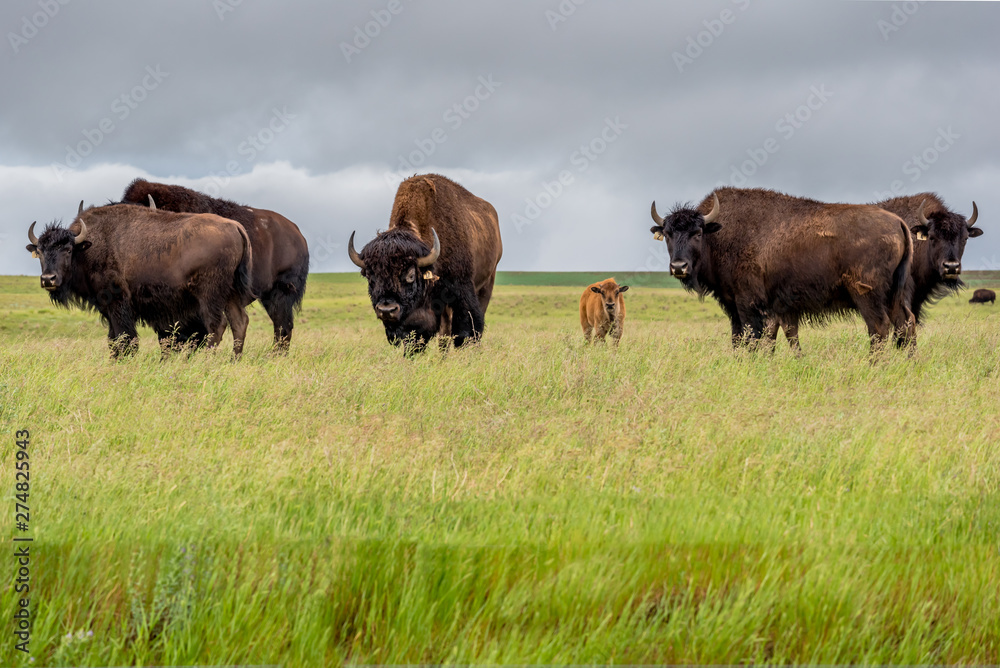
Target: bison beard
pixel 281 255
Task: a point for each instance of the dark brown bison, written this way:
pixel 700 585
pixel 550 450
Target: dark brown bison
pixel 982 295
pixel 602 310
pixel 166 270
pixel 761 253
pixel 280 252
pixel 940 237
pixel 432 271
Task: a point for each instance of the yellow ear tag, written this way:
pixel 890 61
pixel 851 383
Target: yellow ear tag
pixel 34 254
pixel 658 236
pixel 921 236
pixel 428 275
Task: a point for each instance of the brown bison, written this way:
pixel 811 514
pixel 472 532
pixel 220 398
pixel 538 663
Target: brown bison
pixel 982 295
pixel 280 252
pixel 166 270
pixel 602 310
pixel 761 253
pixel 940 237
pixel 432 271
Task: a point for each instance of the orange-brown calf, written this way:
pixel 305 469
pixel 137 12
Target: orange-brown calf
pixel 602 310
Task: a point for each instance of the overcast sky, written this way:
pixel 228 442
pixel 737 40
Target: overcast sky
pixel 569 116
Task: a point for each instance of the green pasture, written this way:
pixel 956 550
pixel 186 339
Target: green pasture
pixel 528 500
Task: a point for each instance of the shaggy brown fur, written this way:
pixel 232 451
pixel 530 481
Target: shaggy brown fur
pixel 982 295
pixel 281 255
pixel 451 300
pixel 770 254
pixel 602 310
pixel 166 270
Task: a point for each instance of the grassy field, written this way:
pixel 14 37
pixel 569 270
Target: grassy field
pixel 529 500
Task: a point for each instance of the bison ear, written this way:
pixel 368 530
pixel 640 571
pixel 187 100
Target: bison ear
pixel 594 288
pixel 920 232
pixel 622 289
pixel 975 232
pixel 657 232
pixel 33 249
pixel 82 246
pixel 711 228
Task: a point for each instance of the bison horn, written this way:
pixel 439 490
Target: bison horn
pixel 80 210
pixel 428 260
pixel 656 217
pixel 152 204
pixel 355 258
pixel 80 238
pixel 31 234
pixel 920 214
pixel 975 215
pixel 714 213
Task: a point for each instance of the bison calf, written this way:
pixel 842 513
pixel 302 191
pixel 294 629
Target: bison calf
pixel 982 295
pixel 602 310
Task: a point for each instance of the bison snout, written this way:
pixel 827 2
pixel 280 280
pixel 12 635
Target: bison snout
pixel 679 268
pixel 952 269
pixel 50 281
pixel 387 310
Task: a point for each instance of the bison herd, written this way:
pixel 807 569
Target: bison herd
pixel 187 264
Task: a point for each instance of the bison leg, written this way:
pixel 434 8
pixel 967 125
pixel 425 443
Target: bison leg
pixel 238 321
pixel 588 333
pixel 467 318
pixel 485 293
pixel 123 339
pixel 280 306
pixel 753 325
pixel 444 329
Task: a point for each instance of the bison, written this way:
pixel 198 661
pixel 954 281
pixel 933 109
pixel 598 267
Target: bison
pixel 166 270
pixel 761 253
pixel 940 237
pixel 982 295
pixel 432 271
pixel 602 310
pixel 280 252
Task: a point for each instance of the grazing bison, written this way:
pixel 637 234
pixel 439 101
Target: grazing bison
pixel 602 310
pixel 761 253
pixel 432 271
pixel 982 295
pixel 166 270
pixel 280 252
pixel 940 237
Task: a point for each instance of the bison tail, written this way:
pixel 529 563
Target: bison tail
pixel 243 281
pixel 902 287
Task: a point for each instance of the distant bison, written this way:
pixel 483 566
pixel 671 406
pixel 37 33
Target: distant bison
pixel 602 310
pixel 982 295
pixel 764 254
pixel 166 270
pixel 432 271
pixel 280 252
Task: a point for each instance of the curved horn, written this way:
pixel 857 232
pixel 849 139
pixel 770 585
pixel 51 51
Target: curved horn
pixel 657 218
pixel 152 204
pixel 714 213
pixel 80 210
pixel 428 260
pixel 31 234
pixel 80 238
pixel 975 215
pixel 921 216
pixel 355 258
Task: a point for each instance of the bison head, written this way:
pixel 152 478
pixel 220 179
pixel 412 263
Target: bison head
pixel 398 266
pixel 684 231
pixel 609 291
pixel 944 234
pixel 56 250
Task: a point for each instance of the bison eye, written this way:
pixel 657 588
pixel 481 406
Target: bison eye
pixel 411 275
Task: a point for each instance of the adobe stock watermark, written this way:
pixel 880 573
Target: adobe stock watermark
pixel 901 14
pixel 920 162
pixel 223 7
pixel 121 108
pixel 32 24
pixel 454 117
pixel 581 159
pixel 562 12
pixel 250 148
pixel 704 39
pixel 786 127
pixel 365 33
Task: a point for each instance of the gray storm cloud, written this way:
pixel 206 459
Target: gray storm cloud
pixel 569 115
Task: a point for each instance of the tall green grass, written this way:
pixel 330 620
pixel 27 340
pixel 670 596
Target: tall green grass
pixel 529 500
